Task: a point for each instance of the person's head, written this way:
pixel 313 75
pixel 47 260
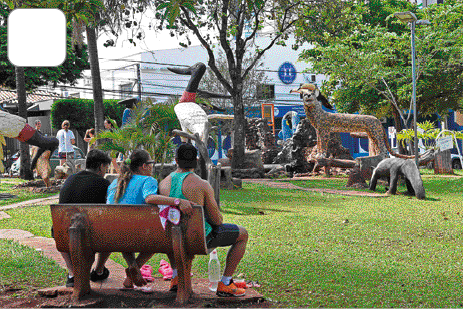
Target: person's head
pixel 97 161
pixel 65 125
pixel 38 124
pixel 138 163
pixel 186 156
pixel 107 124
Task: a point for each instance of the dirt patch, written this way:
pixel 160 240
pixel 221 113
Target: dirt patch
pixel 113 298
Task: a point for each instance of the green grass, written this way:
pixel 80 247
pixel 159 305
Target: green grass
pixel 7 186
pixel 393 251
pixel 24 268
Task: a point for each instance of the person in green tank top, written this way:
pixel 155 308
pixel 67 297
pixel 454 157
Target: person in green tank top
pixel 185 184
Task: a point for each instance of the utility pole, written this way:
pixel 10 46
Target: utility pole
pixel 139 81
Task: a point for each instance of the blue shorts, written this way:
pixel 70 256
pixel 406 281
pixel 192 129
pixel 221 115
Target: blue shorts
pixel 223 235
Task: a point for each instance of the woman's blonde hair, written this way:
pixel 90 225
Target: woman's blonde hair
pixel 128 168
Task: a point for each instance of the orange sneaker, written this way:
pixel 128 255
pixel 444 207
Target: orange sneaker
pixel 241 285
pixel 174 284
pixel 229 290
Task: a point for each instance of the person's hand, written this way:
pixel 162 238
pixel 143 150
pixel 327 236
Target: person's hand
pixel 185 207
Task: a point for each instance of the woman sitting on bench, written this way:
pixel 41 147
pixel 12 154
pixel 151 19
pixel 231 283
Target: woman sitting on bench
pixel 136 186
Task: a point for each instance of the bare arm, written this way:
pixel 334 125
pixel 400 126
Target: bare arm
pixel 211 207
pixel 185 205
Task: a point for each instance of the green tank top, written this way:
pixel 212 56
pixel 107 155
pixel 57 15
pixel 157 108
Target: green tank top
pixel 176 191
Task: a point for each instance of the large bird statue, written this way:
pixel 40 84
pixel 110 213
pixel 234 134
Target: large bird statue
pixel 16 127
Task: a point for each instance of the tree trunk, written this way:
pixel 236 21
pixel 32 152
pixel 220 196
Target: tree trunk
pixel 25 171
pixel 443 162
pixel 239 131
pixel 96 79
pixel 399 127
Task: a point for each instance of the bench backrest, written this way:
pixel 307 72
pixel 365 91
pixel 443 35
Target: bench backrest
pixel 128 228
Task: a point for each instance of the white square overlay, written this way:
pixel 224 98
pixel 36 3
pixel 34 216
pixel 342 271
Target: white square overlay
pixel 36 37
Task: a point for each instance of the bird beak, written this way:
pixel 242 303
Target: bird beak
pixel 298 90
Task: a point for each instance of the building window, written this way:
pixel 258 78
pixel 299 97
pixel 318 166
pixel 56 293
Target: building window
pixel 126 90
pixel 265 91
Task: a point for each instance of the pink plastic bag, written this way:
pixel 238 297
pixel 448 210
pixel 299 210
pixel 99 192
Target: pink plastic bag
pixel 146 272
pixel 165 270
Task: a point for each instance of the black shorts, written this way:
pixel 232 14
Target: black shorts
pixel 223 235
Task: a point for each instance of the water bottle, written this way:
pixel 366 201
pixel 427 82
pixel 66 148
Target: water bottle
pixel 214 271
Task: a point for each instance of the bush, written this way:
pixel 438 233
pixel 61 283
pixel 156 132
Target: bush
pixel 80 113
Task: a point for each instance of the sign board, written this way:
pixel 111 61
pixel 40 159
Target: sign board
pixel 287 73
pixel 392 131
pixel 268 113
pixel 444 143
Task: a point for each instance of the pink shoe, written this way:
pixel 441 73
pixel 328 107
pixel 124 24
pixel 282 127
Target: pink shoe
pixel 165 270
pixel 146 272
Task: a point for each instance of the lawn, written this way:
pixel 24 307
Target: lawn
pixel 311 249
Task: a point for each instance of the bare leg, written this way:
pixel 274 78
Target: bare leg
pixel 67 260
pixel 133 269
pixel 102 257
pixel 236 252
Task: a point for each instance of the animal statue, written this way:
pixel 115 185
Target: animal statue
pixel 289 124
pixel 16 127
pixel 393 168
pixel 325 122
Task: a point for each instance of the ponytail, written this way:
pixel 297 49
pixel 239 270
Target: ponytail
pixel 123 181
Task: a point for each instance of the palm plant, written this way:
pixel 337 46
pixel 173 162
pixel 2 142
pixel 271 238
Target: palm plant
pixel 150 128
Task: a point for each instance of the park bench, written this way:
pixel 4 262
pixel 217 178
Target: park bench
pixel 84 229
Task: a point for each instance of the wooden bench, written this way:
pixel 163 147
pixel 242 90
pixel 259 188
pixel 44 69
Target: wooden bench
pixel 84 229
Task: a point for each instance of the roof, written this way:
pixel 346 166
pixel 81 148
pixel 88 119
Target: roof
pixel 9 96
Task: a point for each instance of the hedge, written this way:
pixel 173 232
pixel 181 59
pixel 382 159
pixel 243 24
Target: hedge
pixel 80 113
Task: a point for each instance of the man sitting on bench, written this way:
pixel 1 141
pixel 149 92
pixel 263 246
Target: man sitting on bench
pixel 88 187
pixel 185 184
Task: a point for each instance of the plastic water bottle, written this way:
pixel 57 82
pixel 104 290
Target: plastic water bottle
pixel 214 270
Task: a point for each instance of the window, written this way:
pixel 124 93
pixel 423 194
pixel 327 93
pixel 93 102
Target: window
pixel 265 91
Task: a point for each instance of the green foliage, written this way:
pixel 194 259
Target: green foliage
pixel 80 113
pixel 150 127
pixel 369 64
pixel 66 73
pixel 428 133
pixel 172 8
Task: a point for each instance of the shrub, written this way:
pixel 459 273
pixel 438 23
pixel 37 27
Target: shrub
pixel 80 113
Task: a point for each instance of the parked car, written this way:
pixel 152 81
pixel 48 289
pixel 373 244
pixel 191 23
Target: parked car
pixel 79 158
pixel 11 159
pixel 456 163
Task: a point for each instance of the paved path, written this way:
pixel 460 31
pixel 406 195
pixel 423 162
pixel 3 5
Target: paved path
pixel 283 184
pixel 40 201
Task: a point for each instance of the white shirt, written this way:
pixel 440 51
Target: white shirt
pixel 64 139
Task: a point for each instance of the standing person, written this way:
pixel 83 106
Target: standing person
pixel 128 111
pixel 114 166
pixel 136 186
pixel 38 125
pixel 87 187
pixel 185 184
pixel 89 134
pixel 66 139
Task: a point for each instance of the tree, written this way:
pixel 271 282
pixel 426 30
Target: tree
pixel 69 72
pixel 255 78
pixel 369 67
pixel 231 26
